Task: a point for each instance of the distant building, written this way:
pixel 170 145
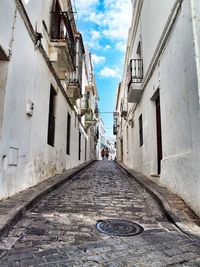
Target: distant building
pixel 102 138
pixel 111 148
pixel 157 119
pixel 48 95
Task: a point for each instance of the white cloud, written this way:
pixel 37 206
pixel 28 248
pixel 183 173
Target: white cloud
pixel 96 17
pixel 98 59
pixel 121 46
pixel 113 21
pixel 95 35
pixel 118 15
pixel 106 47
pixel 85 5
pixel 108 72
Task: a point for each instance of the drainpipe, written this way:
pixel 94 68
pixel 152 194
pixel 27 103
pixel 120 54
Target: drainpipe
pixel 12 35
pixel 196 31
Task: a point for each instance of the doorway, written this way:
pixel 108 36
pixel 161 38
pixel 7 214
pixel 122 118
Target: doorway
pixel 121 149
pixel 159 133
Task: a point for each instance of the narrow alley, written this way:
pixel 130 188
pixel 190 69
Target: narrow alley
pixel 60 230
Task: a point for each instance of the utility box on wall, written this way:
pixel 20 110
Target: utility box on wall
pixel 29 108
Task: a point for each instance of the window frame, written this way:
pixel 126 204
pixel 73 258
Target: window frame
pixel 52 118
pixel 68 137
pixel 141 137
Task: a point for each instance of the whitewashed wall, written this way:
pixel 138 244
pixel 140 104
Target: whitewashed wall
pixel 180 113
pixel 152 25
pixel 177 75
pixel 26 158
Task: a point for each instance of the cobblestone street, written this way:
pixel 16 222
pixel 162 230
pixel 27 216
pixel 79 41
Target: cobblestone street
pixel 61 229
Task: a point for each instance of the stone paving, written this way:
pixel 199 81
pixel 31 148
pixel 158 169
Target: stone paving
pixel 60 230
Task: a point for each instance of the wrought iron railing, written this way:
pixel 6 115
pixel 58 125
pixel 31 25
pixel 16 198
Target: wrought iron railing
pixel 61 30
pixel 85 102
pixel 135 71
pixel 115 116
pixel 89 117
pixel 96 108
pixel 75 77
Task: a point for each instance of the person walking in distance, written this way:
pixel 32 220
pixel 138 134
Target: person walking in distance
pixel 106 153
pixel 103 153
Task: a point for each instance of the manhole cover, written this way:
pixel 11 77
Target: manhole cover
pixel 119 227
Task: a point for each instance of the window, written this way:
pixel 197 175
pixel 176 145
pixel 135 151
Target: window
pixel 85 149
pixel 139 50
pixel 68 134
pixel 51 126
pixel 79 146
pixel 140 130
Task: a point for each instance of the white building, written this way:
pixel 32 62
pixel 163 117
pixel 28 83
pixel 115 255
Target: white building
pixel 43 75
pixel 157 120
pixel 110 144
pixel 102 138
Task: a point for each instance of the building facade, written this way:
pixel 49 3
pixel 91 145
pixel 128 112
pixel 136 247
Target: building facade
pixel 43 80
pixel 157 119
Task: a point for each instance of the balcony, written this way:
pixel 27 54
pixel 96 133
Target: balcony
pixel 96 108
pixel 135 78
pixel 62 48
pixel 84 107
pixel 123 107
pixel 73 90
pixel 89 119
pixel 114 130
pixel 97 132
pixel 74 79
pixel 90 88
pixel 115 117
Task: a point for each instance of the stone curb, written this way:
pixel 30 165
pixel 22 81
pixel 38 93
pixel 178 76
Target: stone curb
pixel 26 199
pixel 187 225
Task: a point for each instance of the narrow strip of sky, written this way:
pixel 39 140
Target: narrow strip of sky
pixel 104 25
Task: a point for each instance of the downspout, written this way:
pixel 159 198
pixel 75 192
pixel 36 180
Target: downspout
pixel 195 21
pixel 12 35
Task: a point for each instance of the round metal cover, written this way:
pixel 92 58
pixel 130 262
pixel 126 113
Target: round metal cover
pixel 119 227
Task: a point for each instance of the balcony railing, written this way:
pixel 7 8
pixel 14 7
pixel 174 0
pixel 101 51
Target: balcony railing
pixel 115 116
pixel 96 108
pixel 84 105
pixel 135 71
pixel 74 79
pixel 89 117
pixel 61 30
pixel 134 80
pixel 114 130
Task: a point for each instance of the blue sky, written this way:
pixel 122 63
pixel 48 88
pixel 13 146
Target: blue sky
pixel 104 25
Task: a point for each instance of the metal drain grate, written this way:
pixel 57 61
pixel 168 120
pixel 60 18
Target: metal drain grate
pixel 119 227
